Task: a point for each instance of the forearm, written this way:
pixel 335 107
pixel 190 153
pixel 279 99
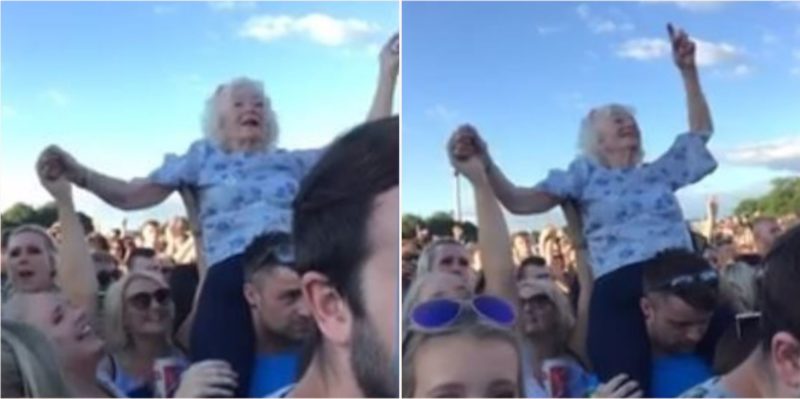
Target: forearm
pixel 699 113
pixel 384 97
pixel 75 266
pixel 495 244
pixel 518 200
pixel 710 225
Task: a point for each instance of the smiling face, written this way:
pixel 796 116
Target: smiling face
pixel 243 114
pixel 30 266
pixel 147 308
pixel 617 134
pixel 65 325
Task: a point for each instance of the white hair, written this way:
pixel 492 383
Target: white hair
pixel 589 137
pixel 211 118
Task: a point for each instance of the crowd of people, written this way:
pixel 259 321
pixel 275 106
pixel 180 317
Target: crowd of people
pixel 628 299
pixel 259 291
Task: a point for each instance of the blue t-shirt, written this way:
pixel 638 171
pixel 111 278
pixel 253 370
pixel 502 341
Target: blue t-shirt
pixel 272 372
pixel 672 375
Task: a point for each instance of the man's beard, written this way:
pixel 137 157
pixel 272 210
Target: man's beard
pixel 371 363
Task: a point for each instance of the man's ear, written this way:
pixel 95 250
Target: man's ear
pixel 328 308
pixel 646 304
pixel 251 294
pixel 785 355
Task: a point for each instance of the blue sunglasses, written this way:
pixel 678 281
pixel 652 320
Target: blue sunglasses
pixel 439 314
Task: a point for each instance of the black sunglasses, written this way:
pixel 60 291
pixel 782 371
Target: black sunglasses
pixel 143 300
pixel 709 277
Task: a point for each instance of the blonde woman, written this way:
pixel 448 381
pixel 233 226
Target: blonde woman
pixel 138 315
pixel 245 186
pixel 30 367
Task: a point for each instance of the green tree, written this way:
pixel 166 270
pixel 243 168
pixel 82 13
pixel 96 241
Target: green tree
pixel 440 224
pixel 782 199
pixel 410 223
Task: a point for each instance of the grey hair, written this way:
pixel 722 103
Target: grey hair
pixel 30 365
pixel 588 136
pixel 211 119
pixel 739 285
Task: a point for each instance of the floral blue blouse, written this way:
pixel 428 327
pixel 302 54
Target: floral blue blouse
pixel 631 214
pixel 240 195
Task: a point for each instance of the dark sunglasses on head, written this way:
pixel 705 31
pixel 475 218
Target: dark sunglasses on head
pixel 106 277
pixel 143 300
pixel 439 314
pixel 708 277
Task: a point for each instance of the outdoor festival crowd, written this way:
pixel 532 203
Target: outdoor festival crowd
pixel 627 300
pixel 273 285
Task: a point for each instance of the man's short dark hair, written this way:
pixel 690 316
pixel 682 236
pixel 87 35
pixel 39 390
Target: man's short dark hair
pixel 779 286
pixel 260 256
pixel 674 263
pixel 533 261
pixel 334 203
pixel 140 253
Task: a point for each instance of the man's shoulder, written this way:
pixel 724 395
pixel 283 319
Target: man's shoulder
pixel 712 388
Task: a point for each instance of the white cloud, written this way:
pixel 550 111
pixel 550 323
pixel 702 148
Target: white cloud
pixel 742 70
pixel 708 53
pixel 597 24
pixel 230 5
pixel 8 112
pixel 57 97
pixel 769 38
pixel 780 154
pixel 162 9
pixel 319 28
pixel 442 113
pixel 789 5
pixel 644 49
pixel 549 30
pixel 700 6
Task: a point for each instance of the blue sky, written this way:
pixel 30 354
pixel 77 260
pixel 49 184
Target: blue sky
pixel 525 73
pixel 121 84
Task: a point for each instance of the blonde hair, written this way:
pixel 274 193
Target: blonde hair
pixel 211 119
pixel 50 247
pixel 30 367
pixel 469 327
pixel 426 262
pixel 566 319
pixel 118 338
pixel 589 137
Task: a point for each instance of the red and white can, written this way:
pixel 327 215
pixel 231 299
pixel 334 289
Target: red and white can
pixel 556 378
pixel 167 372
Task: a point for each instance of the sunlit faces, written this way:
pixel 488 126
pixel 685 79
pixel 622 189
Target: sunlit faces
pixel 672 324
pixel 465 366
pixel 243 110
pixel 30 267
pixel 276 296
pixel 67 326
pixel 147 308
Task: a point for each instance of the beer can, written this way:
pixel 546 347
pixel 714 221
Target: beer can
pixel 556 378
pixel 167 372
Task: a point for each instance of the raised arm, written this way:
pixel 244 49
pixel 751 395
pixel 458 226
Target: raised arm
pixel 75 268
pixel 518 200
pixel 493 236
pixel 574 229
pixel 683 53
pixel 387 80
pixel 125 195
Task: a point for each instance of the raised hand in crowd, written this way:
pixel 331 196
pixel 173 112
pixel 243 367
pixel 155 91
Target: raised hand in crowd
pixel 387 80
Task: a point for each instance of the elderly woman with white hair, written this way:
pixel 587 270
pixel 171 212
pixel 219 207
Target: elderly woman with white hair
pixel 629 210
pixel 245 187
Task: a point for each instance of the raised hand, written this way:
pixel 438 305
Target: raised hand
pixel 60 162
pixel 50 172
pixel 390 56
pixel 683 48
pixel 464 152
pixel 619 387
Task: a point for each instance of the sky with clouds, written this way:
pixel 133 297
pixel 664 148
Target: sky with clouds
pixel 526 73
pixel 121 84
